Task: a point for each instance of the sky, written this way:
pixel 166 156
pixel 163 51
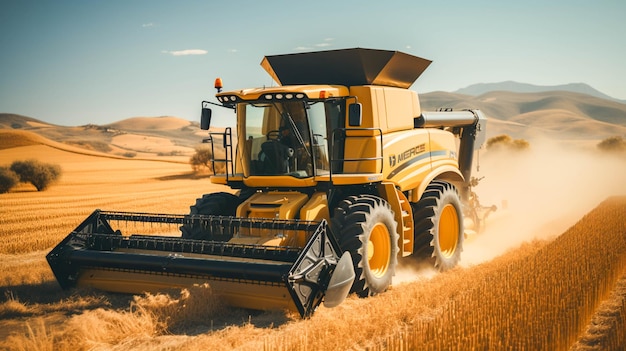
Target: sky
pixel 71 62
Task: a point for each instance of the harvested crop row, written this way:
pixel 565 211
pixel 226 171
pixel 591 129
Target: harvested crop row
pixel 543 301
pixel 607 329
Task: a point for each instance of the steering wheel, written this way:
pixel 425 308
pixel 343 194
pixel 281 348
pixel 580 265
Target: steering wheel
pixel 273 135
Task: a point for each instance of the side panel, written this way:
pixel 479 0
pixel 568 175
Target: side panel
pixel 401 107
pixel 444 158
pixel 444 148
pixel 407 158
pixel 362 148
pixel 316 208
pixel 444 161
pixel 388 109
pixel 272 205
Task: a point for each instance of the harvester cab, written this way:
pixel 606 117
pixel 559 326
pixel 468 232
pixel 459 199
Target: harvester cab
pixel 336 174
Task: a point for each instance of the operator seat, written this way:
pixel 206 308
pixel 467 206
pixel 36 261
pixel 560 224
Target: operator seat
pixel 274 157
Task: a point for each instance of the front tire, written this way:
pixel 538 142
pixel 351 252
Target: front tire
pixel 439 230
pixel 367 229
pixel 215 204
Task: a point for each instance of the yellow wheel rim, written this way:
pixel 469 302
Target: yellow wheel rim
pixel 448 230
pixel 378 250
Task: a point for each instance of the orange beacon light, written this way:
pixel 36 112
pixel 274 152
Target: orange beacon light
pixel 218 84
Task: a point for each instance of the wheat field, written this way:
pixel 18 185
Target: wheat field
pixel 562 291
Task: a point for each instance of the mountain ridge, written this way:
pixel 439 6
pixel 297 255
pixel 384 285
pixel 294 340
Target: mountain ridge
pixel 539 113
pixel 517 87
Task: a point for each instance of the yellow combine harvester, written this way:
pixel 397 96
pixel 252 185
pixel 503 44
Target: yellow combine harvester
pixel 339 173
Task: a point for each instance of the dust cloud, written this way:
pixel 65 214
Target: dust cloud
pixel 539 193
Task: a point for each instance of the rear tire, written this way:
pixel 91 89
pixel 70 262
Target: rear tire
pixel 216 204
pixel 439 231
pixel 367 229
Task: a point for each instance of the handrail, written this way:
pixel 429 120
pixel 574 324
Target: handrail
pixel 227 139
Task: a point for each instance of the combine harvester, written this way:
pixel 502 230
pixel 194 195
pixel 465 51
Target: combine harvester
pixel 339 173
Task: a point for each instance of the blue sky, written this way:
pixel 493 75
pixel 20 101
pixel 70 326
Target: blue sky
pixel 78 62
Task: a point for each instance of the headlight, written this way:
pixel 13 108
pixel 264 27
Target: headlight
pixel 284 96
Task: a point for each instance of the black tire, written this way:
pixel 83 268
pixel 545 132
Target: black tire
pixel 216 204
pixel 367 229
pixel 439 231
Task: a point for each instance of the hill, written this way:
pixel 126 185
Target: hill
pixel 30 144
pixel 556 114
pixel 516 87
pixel 138 136
pixel 13 121
pixel 151 123
pixel 17 138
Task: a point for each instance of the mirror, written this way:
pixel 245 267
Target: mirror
pixel 355 117
pixel 205 119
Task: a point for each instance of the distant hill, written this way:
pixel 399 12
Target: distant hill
pixel 10 138
pixel 152 123
pixel 516 87
pixel 137 136
pixel 13 121
pixel 557 114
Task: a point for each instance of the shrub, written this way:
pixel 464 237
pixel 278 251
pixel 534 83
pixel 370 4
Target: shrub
pixel 613 144
pixel 8 179
pixel 202 161
pixel 506 143
pixel 91 145
pixel 40 174
pixel 170 153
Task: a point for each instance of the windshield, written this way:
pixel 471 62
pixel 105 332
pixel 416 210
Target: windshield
pixel 284 138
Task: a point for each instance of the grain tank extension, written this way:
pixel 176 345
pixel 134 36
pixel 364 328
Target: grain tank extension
pixel 335 172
